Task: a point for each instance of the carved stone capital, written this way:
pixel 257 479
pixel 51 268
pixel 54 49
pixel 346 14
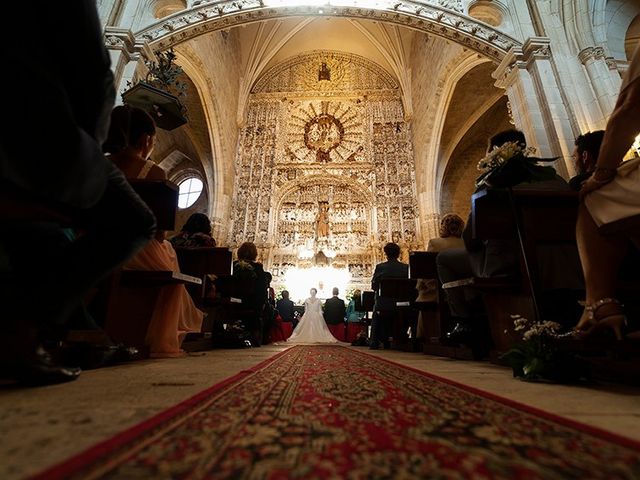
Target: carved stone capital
pixel 590 54
pixel 124 40
pixel 536 48
pixel 612 63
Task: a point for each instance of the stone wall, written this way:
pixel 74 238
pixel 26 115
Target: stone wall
pixel 461 173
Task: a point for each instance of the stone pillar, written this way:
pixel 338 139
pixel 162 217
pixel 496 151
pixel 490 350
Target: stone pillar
pixel 604 84
pixel 127 54
pixel 528 76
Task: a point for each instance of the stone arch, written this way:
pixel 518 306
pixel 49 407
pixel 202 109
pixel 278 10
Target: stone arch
pixel 456 69
pixel 429 17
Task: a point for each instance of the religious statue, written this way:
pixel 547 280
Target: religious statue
pixel 322 221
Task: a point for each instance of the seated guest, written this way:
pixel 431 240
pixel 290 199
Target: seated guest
pixel 585 156
pixel 384 307
pixel 196 232
pixel 42 280
pixel 484 259
pixel 611 195
pixel 354 313
pixel 285 307
pixel 334 309
pixel 451 227
pixel 130 142
pixel 253 285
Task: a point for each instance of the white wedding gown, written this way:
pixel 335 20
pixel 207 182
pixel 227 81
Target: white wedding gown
pixel 312 328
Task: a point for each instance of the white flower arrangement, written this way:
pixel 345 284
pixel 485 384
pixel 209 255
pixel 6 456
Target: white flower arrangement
pixel 500 155
pixel 539 355
pixel 512 163
pixel 535 329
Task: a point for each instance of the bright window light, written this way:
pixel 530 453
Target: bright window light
pixel 190 190
pixel 298 281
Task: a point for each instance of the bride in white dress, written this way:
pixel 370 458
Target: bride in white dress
pixel 312 328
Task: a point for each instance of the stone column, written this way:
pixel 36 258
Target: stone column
pixel 604 84
pixel 528 76
pixel 127 54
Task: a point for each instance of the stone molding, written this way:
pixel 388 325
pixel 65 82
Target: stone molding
pixel 591 53
pixel 124 40
pixel 535 48
pixel 437 17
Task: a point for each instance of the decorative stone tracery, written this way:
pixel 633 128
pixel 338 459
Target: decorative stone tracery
pixel 325 166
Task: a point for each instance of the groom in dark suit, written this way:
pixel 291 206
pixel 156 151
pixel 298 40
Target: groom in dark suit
pixel 334 309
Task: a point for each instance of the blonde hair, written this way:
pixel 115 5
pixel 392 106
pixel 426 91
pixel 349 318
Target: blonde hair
pixel 451 225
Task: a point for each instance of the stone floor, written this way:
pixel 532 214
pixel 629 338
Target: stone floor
pixel 42 426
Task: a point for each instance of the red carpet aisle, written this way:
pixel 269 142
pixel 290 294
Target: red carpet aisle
pixel 333 412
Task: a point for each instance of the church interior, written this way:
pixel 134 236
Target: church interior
pixel 320 131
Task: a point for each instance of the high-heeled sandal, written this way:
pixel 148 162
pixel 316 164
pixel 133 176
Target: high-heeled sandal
pixel 592 322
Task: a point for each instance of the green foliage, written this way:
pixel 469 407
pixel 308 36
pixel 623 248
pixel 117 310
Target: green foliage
pixel 540 357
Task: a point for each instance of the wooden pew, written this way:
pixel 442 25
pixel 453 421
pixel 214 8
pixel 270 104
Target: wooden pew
pixel 203 262
pixel 435 314
pixel 132 294
pixel 161 196
pixel 403 292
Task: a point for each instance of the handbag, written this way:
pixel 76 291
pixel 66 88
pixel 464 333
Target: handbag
pixel 615 207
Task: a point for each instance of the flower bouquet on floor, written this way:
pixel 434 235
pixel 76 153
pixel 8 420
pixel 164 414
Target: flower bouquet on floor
pixel 540 356
pixel 511 164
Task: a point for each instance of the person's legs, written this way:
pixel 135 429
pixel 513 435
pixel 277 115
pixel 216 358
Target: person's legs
pixel 601 257
pixel 454 265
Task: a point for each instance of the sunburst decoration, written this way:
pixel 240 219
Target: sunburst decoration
pixel 324 131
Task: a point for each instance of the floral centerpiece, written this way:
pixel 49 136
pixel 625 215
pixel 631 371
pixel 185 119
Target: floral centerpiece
pixel 511 164
pixel 540 356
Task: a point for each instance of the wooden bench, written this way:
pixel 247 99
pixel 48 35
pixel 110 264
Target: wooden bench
pixel 206 263
pixel 403 293
pixel 435 314
pixel 529 218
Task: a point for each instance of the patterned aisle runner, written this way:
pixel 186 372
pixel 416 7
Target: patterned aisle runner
pixel 333 412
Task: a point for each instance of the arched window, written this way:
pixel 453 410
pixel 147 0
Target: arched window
pixel 190 190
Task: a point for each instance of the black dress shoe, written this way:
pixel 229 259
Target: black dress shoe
pixel 40 369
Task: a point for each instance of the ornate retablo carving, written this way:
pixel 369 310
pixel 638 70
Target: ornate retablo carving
pixel 319 173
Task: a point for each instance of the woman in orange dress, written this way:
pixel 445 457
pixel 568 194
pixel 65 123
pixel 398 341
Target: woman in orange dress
pixel 131 139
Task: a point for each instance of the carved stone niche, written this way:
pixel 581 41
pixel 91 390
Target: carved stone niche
pixel 164 8
pixel 486 11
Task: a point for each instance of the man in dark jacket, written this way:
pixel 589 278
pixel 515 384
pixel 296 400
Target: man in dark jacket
pixel 285 307
pixel 334 309
pixel 384 307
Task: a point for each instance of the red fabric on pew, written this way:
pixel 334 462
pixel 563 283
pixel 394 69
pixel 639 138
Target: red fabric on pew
pixel 353 329
pixel 280 330
pixel 338 331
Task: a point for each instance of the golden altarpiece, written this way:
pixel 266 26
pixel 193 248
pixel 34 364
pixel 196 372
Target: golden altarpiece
pixel 325 170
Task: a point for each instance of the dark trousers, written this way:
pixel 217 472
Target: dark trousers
pixel 43 277
pixel 454 265
pixel 380 327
